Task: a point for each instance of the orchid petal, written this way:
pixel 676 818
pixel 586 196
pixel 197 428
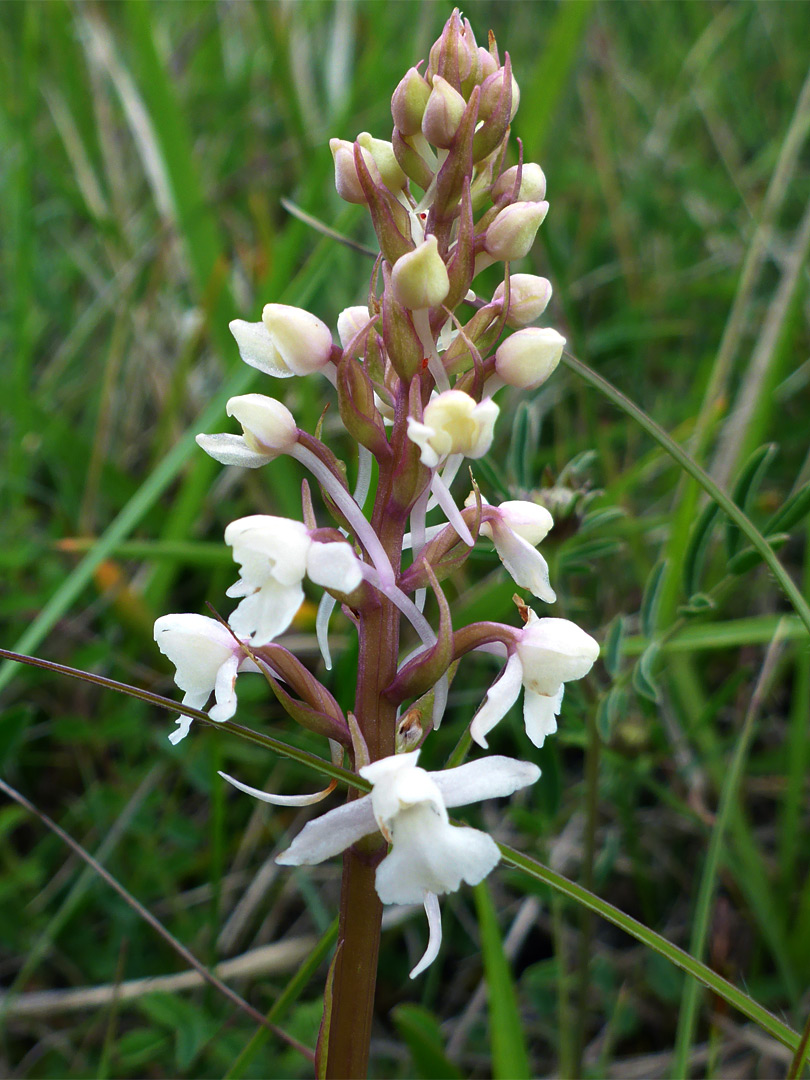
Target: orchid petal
pixel 334 566
pixel 325 609
pixel 540 714
pixel 330 834
pixel 265 614
pixel 431 855
pixel 500 698
pixel 434 918
pixel 183 725
pixel 523 562
pixel 225 690
pixel 487 778
pixel 231 450
pixel 257 349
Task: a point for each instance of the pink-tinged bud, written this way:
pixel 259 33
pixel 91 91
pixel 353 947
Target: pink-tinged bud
pixel 512 233
pixel 383 153
pixel 268 425
pixel 487 63
pixel 455 55
pixel 410 161
pixel 419 279
pixel 443 114
pixel 528 298
pixel 349 324
pixel 532 184
pixel 303 342
pixel 528 357
pixel 347 182
pixel 491 90
pixel 409 101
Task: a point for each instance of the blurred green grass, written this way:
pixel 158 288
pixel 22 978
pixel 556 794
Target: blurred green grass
pixel 146 148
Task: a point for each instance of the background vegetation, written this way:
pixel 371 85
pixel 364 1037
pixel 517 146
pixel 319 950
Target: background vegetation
pixel 146 148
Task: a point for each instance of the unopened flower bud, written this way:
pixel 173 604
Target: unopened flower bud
pixel 532 184
pixel 487 64
pixel 409 101
pixel 350 322
pixel 302 341
pixel 528 298
pixel 527 358
pixel 419 278
pixel 268 425
pixel 491 90
pixel 512 233
pixel 347 181
pixel 383 153
pixel 443 113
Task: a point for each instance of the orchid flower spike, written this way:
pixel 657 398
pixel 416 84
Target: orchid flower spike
pixel 429 856
pixel 207 657
pixel 453 423
pixel 515 528
pixel 269 430
pixel 274 555
pixel 548 654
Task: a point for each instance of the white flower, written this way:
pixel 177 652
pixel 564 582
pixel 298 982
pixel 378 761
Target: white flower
pixel 515 528
pixel 453 423
pixel 288 341
pixel 269 430
pixel 274 555
pixel 549 653
pixel 207 657
pixel 429 856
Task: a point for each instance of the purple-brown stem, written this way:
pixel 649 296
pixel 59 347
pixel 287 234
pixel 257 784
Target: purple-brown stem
pixel 355 975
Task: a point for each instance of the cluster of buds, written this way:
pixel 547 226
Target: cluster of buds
pixel 415 373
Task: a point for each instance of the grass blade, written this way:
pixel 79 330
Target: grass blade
pixel 510 1059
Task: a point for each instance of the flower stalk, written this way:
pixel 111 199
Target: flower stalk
pixel 414 375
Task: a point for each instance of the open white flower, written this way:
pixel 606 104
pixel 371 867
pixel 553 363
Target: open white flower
pixel 429 856
pixel 269 430
pixel 207 658
pixel 453 423
pixel 515 528
pixel 274 555
pixel 548 654
pixel 288 341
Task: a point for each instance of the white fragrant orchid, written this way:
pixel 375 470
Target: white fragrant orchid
pixel 269 430
pixel 288 341
pixel 429 857
pixel 516 527
pixel 275 554
pixel 207 658
pixel 547 654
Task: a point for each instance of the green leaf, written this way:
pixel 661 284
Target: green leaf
pixel 420 1030
pixel 745 488
pixel 611 708
pixel 510 1059
pixel 523 446
pixel 612 649
pixel 643 679
pixel 793 510
pixel 598 519
pixel 698 604
pixel 696 547
pixel 749 557
pixel 651 598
